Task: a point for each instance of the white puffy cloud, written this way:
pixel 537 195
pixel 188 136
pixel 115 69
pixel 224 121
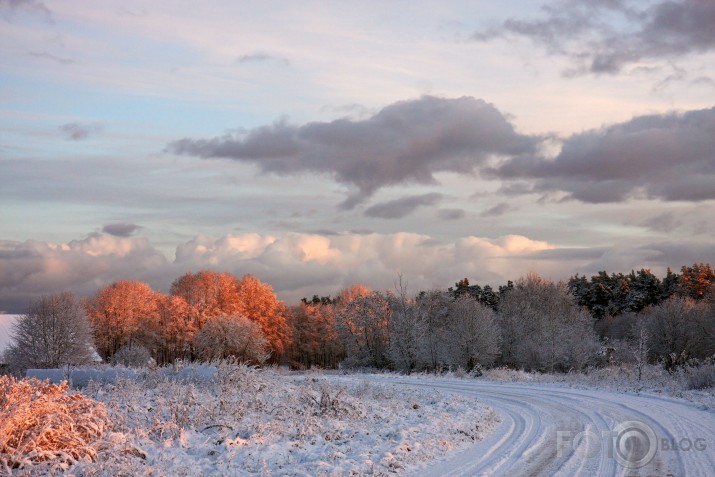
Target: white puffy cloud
pixel 33 268
pixel 304 264
pixel 295 264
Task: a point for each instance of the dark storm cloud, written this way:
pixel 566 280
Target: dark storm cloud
pixel 406 142
pixel 398 208
pixel 77 131
pixel 581 31
pixel 121 229
pixel 670 157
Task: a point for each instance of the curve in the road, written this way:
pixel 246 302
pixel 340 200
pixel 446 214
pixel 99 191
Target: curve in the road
pixel 590 421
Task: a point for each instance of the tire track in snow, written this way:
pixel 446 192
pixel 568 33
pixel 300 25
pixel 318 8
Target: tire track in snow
pixel 525 443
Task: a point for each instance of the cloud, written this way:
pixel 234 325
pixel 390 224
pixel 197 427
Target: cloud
pixel 669 157
pixel 49 56
pixel 299 265
pixel 398 208
pixel 33 268
pixel 121 229
pixel 261 58
pixel 658 255
pixel 406 142
pixel 302 264
pixel 451 214
pixel 9 7
pixel 665 222
pixel 605 36
pixel 295 264
pixel 353 110
pixel 500 209
pixel 78 131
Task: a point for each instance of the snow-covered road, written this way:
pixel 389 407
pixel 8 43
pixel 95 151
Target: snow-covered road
pixel 552 430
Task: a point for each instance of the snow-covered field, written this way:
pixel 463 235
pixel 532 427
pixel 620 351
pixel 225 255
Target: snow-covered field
pixel 245 421
pixel 251 422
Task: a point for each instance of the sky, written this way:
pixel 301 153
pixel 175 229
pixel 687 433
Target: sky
pixel 317 144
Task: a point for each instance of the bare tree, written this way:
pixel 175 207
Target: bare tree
pixel 54 333
pixel 543 329
pixel 363 325
pixel 641 348
pixel 433 307
pixel 474 335
pixel 232 335
pixel 408 343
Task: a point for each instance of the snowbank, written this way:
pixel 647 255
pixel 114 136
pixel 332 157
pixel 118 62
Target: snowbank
pixel 81 378
pixel 54 376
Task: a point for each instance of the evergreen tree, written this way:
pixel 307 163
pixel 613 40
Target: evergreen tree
pixel 696 281
pixel 669 285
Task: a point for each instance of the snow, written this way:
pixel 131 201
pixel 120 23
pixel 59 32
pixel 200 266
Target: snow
pixel 54 376
pixel 81 378
pixel 536 408
pixel 6 322
pixel 228 419
pixel 237 420
pixel 533 414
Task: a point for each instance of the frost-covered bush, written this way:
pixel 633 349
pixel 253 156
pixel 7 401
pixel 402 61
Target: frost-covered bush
pixel 41 424
pixel 700 376
pixel 132 356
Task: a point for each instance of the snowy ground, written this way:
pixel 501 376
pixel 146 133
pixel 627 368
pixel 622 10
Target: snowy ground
pixel 561 429
pixel 654 380
pixel 250 422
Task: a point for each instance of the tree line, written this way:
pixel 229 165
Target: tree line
pixel 533 323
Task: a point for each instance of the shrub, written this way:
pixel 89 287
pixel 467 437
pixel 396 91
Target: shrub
pixel 700 377
pixel 40 422
pixel 132 356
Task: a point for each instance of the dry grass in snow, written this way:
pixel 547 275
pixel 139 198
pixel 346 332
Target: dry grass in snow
pixel 42 423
